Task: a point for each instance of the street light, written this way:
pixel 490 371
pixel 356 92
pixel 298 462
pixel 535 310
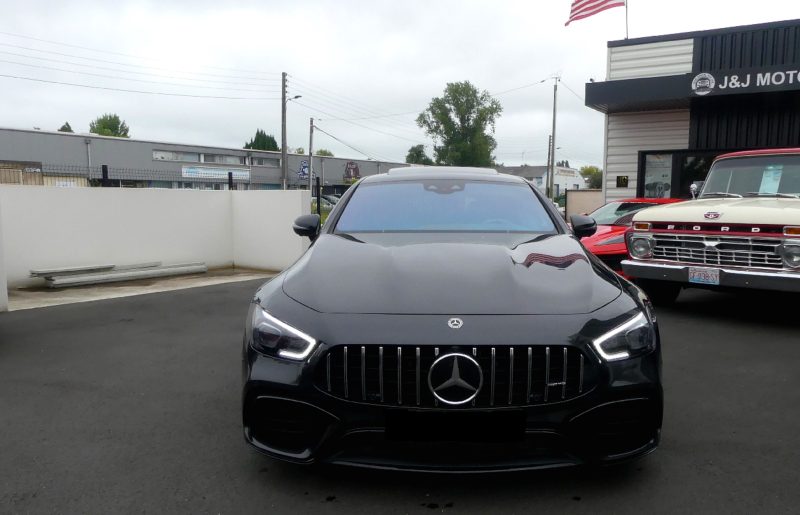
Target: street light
pixel 284 164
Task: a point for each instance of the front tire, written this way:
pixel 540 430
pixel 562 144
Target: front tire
pixel 661 293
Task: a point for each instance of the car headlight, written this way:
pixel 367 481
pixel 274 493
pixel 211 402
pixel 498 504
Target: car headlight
pixel 612 241
pixel 641 247
pixel 791 255
pixel 633 338
pixel 275 338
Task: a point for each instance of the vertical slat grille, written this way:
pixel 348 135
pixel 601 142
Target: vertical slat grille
pixel 512 375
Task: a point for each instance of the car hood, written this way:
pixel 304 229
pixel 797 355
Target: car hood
pixel 603 233
pixel 550 276
pixel 784 211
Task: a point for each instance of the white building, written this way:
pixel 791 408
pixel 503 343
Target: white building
pixel 564 179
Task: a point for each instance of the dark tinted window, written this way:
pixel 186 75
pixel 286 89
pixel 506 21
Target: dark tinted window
pixel 444 205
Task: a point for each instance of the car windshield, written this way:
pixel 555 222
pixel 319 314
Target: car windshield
pixel 444 205
pixel 611 213
pixel 761 176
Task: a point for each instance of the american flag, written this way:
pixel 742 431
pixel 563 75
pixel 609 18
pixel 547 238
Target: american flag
pixel 584 8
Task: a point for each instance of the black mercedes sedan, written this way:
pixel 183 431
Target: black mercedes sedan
pixel 447 319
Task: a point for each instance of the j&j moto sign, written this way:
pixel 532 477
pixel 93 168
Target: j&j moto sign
pixel 746 80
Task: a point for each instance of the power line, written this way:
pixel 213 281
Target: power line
pixel 122 54
pixel 134 90
pixel 520 87
pixel 373 117
pixel 95 67
pixel 572 91
pixel 315 109
pixel 349 111
pixel 344 143
pixel 342 100
pixel 127 78
pixel 134 65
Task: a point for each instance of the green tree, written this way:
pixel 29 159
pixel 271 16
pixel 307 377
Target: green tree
pixel 417 156
pixel 564 163
pixel 262 141
pixel 594 176
pixel 299 150
pixel 109 125
pixel 324 153
pixel 462 123
pixel 66 128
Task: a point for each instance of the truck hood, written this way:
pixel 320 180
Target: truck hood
pixel 766 211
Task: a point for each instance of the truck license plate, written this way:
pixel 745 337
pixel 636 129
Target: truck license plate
pixel 704 275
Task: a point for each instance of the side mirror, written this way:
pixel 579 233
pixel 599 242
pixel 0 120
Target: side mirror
pixel 307 225
pixel 583 226
pixel 695 188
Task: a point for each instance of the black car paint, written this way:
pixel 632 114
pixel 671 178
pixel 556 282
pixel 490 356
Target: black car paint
pixel 403 293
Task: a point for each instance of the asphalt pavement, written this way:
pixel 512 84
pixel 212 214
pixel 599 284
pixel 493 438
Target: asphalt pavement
pixel 131 405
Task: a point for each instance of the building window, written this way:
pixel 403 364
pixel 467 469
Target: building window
pixel 171 155
pixel 224 159
pixel 265 161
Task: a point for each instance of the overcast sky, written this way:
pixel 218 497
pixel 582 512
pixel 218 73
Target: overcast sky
pixel 352 60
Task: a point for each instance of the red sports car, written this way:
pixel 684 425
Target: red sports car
pixel 613 219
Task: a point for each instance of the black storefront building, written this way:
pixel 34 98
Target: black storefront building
pixel 674 102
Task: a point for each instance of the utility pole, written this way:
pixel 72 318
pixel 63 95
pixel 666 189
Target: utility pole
pixel 553 139
pixel 310 152
pixel 549 153
pixel 284 157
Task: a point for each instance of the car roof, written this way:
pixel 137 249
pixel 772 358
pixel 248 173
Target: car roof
pixel 760 152
pixel 415 173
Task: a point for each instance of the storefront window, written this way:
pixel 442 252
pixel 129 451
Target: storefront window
pixel 657 175
pixel 694 168
pixel 671 174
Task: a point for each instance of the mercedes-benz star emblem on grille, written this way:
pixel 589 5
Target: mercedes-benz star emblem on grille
pixel 712 215
pixel 455 323
pixel 455 378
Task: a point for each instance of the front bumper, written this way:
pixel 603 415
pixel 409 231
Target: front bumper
pixel 286 416
pixel 728 277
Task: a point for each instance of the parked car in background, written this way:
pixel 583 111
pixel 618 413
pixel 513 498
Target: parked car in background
pixel 613 219
pixel 743 231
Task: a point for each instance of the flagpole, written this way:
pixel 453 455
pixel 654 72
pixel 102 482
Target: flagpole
pixel 626 19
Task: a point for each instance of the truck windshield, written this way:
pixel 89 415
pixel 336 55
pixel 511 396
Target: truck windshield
pixel 760 176
pixel 439 205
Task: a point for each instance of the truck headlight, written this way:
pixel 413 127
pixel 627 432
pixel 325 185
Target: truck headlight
pixel 641 247
pixel 630 339
pixel 276 338
pixel 790 254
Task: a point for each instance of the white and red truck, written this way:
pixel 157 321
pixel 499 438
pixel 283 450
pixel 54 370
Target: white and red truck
pixel 741 231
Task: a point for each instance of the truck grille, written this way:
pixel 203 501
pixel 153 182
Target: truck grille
pixel 395 375
pixel 718 250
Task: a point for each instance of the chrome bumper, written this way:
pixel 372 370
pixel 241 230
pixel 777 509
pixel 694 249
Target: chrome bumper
pixel 728 277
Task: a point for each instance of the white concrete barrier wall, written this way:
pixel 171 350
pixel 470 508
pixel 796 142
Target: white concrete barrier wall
pixel 583 201
pixel 3 285
pixel 45 227
pixel 262 228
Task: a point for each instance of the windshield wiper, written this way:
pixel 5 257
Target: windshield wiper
pixel 779 195
pixel 721 194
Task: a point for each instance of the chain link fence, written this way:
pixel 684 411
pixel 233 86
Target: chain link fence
pixel 202 178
